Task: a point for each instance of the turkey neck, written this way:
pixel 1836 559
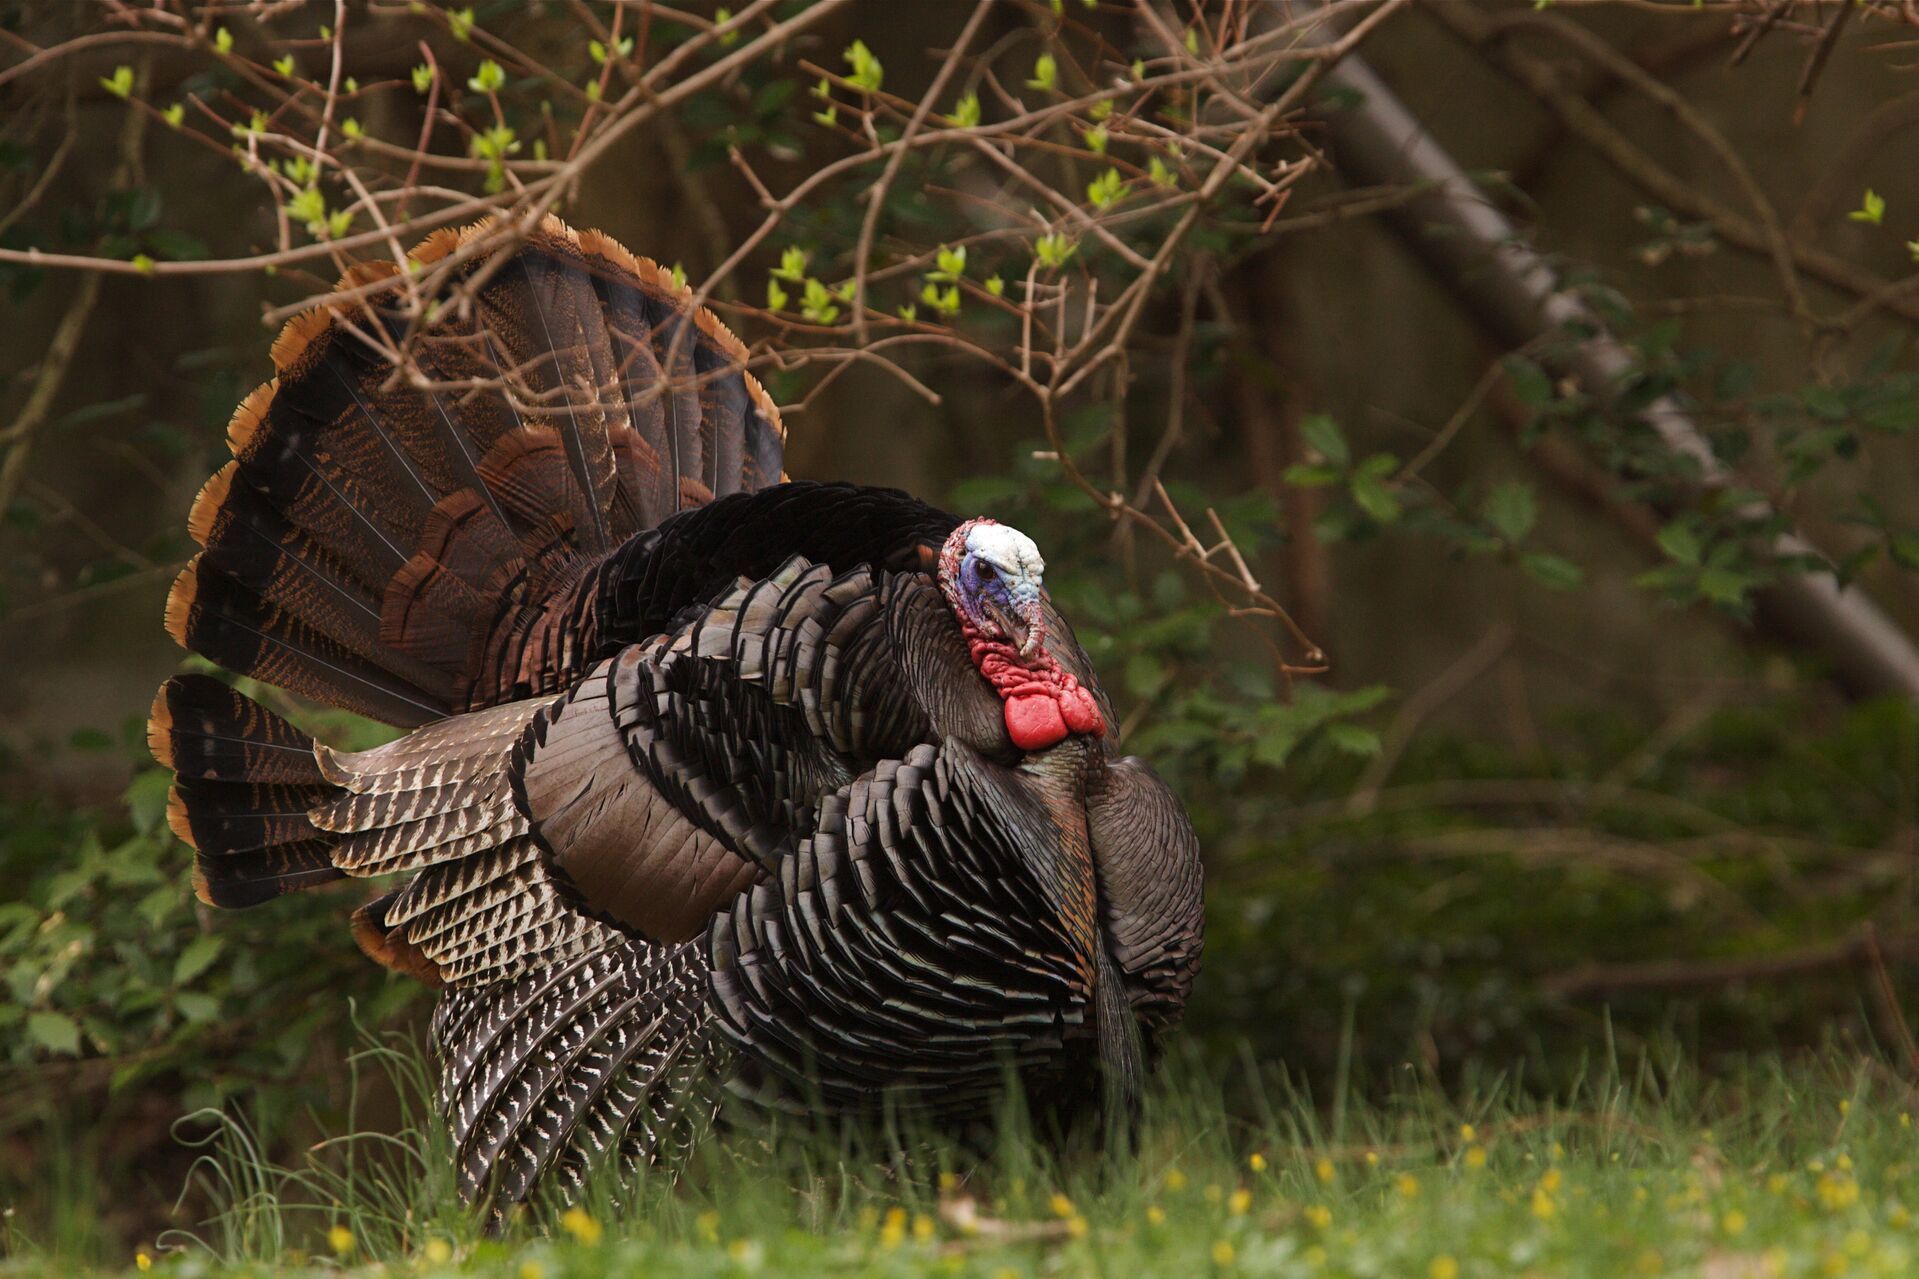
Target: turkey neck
pixel 1057 778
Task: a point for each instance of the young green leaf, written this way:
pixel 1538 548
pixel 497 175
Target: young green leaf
pixel 866 73
pixel 1872 208
pixel 966 112
pixel 1045 73
pixel 490 78
pixel 1105 189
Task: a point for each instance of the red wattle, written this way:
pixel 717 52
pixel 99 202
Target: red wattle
pixel 1034 721
pixel 1043 704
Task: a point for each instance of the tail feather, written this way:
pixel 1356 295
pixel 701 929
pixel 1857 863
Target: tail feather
pixel 246 782
pixel 406 512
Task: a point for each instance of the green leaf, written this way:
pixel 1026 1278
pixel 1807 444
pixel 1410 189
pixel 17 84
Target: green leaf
pixel 197 1007
pixel 1552 570
pixel 1724 586
pixel 1045 73
pixel 1530 383
pixel 1105 189
pixel 1680 542
pixel 966 113
pixel 1905 549
pixel 196 958
pixel 285 66
pixel 460 23
pixel 147 798
pixel 1323 436
pixel 1871 209
pixel 120 83
pixel 422 78
pixel 1303 476
pixel 223 40
pixel 490 78
pixel 792 264
pixel 1352 739
pixel 54 1032
pixel 1054 249
pixel 1511 510
pixel 1095 139
pixel 866 73
pixel 951 264
pixel 1370 491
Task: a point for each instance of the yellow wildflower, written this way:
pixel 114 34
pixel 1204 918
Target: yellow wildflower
pixel 1544 1206
pixel 1223 1253
pixel 1257 1162
pixel 1061 1206
pixel 1319 1215
pixel 1443 1267
pixel 1076 1226
pixel 923 1227
pixel 708 1224
pixel 1843 1163
pixel 1315 1256
pixel 1845 1107
pixel 1239 1201
pixel 578 1223
pixel 1777 1183
pixel 1475 1156
pixel 1155 1215
pixel 1372 1159
pixel 439 1251
pixel 1467 1133
pixel 746 1253
pixel 1323 1169
pixel 1175 1180
pixel 1836 1192
pixel 1733 1223
pixel 1407 1185
pixel 142 1261
pixel 893 1228
pixel 949 1180
pixel 532 1270
pixel 1551 1182
pixel 340 1239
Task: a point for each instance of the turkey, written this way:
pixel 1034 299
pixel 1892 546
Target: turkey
pixel 716 786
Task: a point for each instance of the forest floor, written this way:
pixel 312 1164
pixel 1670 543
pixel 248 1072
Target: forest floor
pixel 1774 1170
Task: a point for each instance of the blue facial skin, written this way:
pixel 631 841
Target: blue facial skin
pixel 993 606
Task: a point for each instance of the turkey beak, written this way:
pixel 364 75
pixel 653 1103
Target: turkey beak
pixel 1032 626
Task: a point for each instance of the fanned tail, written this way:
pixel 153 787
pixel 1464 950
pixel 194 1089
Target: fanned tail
pixel 246 783
pixel 402 538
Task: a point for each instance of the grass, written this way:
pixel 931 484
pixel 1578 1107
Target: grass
pixel 1775 1169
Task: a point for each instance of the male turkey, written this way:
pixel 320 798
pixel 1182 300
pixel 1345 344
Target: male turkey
pixel 712 778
